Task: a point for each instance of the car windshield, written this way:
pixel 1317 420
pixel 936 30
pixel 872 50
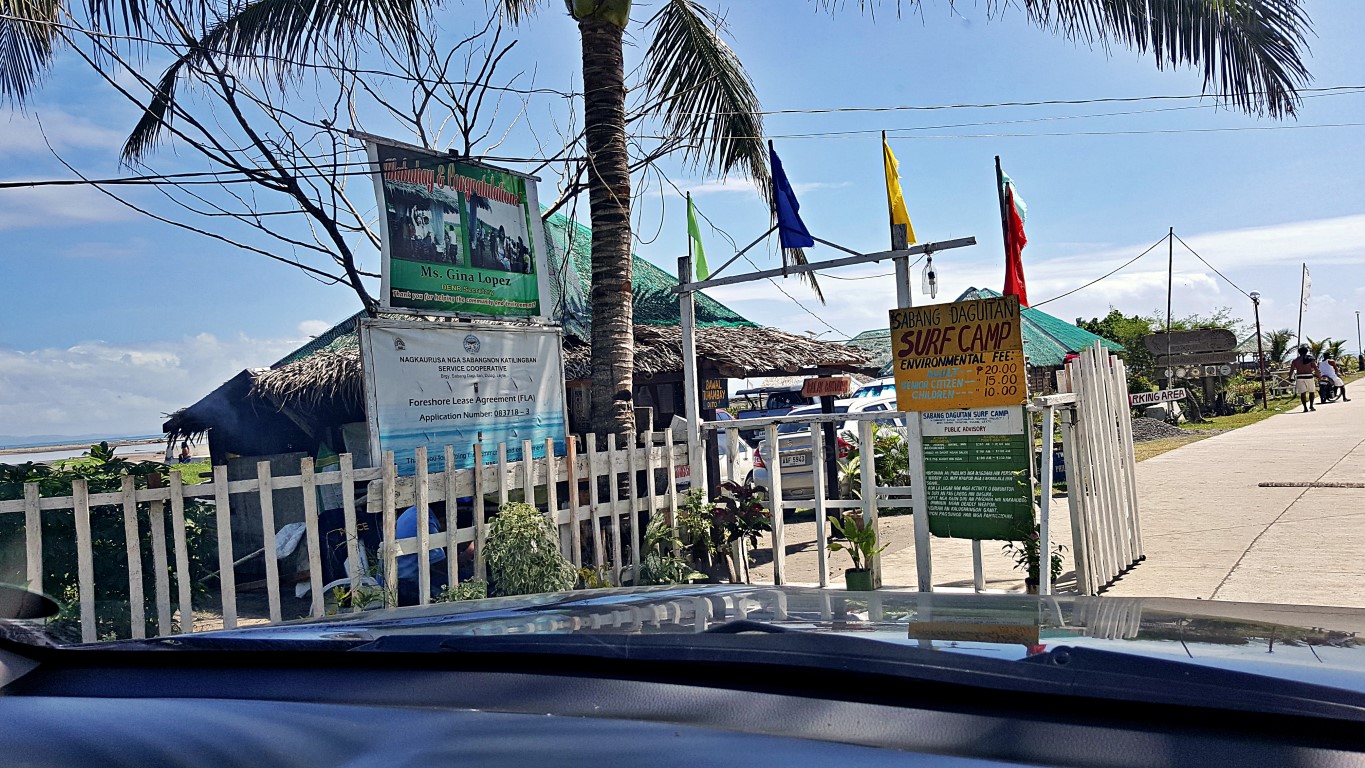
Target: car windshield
pixel 356 325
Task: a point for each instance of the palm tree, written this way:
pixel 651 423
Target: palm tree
pixel 33 31
pixel 1249 52
pixel 1249 49
pixel 1279 341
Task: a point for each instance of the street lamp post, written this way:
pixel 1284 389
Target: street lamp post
pixel 1260 350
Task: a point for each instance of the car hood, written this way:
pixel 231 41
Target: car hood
pixel 1305 643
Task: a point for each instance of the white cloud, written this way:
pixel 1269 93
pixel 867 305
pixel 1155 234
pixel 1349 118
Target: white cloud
pixel 51 206
pixel 24 132
pixel 310 328
pixel 100 388
pixel 715 186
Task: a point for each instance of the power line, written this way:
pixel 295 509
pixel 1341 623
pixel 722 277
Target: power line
pixel 1102 277
pixel 1210 266
pixel 875 133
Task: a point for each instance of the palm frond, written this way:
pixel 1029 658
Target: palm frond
pixel 698 85
pixel 1250 51
pixel 287 33
pixel 27 42
pixel 701 90
pixel 516 10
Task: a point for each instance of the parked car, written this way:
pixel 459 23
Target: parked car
pixel 761 402
pixel 742 451
pixel 794 445
pixel 876 388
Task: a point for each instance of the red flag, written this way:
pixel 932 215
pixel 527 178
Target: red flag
pixel 1014 243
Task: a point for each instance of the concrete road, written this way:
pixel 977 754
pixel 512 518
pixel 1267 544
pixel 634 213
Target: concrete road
pixel 1210 532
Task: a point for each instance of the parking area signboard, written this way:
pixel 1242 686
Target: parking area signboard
pixel 968 354
pixel 977 482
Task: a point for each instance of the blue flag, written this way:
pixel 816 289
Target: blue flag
pixel 790 229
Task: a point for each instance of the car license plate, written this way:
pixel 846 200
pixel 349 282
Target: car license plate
pixel 798 460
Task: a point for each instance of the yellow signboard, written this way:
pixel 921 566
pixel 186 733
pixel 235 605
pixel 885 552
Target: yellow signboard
pixel 964 355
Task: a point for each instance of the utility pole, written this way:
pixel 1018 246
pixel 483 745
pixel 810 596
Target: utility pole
pixel 1360 349
pixel 1260 350
pixel 1170 286
pixel 1303 283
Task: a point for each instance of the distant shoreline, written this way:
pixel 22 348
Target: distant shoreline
pixel 77 446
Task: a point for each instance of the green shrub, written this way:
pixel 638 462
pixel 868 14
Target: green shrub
pixel 523 553
pixel 662 564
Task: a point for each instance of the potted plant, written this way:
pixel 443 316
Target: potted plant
pixel 861 544
pixel 523 553
pixel 1025 551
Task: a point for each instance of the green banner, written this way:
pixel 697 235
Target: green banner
pixel 457 237
pixel 977 486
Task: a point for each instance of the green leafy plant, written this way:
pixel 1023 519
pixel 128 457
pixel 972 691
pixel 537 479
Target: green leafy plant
pixel 593 578
pixel 861 539
pixel 465 590
pixel 523 553
pixel 662 564
pixel 891 459
pixel 1025 550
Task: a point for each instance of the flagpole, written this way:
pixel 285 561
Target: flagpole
pixel 1004 206
pixel 1299 338
pixel 687 316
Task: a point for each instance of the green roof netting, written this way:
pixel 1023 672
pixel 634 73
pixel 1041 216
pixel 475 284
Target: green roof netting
pixel 1047 339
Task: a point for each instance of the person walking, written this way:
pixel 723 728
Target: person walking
pixel 1305 371
pixel 1328 369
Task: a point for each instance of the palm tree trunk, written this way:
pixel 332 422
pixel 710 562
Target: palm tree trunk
pixel 613 340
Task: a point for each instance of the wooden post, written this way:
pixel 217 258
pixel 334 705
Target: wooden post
pixel 779 536
pixel 817 448
pixel 156 519
pixel 85 558
pixel 575 532
pixel 528 474
pixel 182 553
pixel 1045 505
pixel 422 502
pixel 867 459
pixel 312 531
pixel 672 481
pixel 227 576
pixel 687 313
pixel 599 547
pixel 919 502
pixel 352 527
pixel 272 564
pixel 389 474
pixel 452 518
pixel 480 520
pixel 502 475
pixel 615 496
pixel 33 537
pixel 133 544
pixel 637 540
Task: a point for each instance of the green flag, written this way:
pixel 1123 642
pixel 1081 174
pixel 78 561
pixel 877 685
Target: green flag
pixel 698 253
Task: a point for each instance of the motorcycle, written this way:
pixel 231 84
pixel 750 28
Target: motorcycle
pixel 1327 391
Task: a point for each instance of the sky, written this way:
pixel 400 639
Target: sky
pixel 111 320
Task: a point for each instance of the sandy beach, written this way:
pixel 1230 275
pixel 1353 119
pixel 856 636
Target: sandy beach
pixel 150 449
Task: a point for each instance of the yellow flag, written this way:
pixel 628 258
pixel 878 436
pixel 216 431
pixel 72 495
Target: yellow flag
pixel 894 199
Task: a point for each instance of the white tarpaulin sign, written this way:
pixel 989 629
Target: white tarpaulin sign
pixel 438 384
pixel 1159 396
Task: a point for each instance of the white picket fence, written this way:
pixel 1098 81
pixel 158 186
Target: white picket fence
pixel 611 490
pixel 1101 473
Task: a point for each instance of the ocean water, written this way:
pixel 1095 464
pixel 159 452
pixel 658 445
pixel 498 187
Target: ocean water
pixel 71 453
pixel 490 433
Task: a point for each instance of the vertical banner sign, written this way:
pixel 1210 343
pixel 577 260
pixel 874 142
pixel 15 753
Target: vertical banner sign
pixel 438 384
pixel 976 473
pixel 969 354
pixel 458 237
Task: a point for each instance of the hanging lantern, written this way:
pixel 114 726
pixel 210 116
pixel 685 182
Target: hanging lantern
pixel 930 278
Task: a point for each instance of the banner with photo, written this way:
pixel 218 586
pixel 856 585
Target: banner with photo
pixel 435 384
pixel 458 237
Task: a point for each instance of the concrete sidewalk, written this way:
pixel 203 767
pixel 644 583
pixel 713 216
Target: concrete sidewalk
pixel 1210 532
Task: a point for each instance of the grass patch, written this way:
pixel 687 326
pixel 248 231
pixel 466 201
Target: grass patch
pixel 1149 448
